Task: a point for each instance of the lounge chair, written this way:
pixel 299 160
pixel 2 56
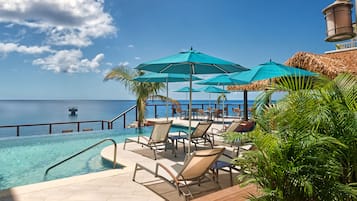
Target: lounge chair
pixel 181 113
pixel 197 136
pixel 195 169
pixel 220 132
pixel 158 138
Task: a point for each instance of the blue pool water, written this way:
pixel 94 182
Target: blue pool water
pixel 25 160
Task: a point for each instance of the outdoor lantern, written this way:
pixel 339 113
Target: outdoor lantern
pixel 339 21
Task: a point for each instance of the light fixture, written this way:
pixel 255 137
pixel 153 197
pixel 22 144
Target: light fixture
pixel 339 21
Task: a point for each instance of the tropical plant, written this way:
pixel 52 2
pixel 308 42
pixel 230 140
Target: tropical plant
pixel 306 142
pixel 222 97
pixel 142 90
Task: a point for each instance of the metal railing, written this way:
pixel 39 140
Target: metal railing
pixel 86 149
pixel 50 125
pixel 194 105
pixel 123 114
pixel 347 45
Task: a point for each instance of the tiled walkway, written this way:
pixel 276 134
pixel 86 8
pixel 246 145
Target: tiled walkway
pixel 108 185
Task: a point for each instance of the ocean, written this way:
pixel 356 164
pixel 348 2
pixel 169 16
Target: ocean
pixel 16 112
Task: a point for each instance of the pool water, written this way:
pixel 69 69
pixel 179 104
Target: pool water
pixel 25 160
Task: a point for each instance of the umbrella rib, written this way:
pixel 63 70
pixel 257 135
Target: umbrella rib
pixel 167 67
pixel 220 68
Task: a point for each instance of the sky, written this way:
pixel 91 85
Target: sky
pixel 62 49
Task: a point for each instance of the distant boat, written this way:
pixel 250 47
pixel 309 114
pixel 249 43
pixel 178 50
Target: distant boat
pixel 73 111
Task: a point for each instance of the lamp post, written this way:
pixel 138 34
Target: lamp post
pixel 338 16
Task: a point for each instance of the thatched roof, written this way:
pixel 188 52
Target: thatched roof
pixel 329 64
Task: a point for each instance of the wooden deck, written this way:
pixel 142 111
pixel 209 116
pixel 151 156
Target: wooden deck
pixel 234 193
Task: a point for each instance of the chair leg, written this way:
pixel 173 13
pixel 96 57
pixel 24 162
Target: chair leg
pixel 124 144
pixel 136 168
pixel 154 150
pixel 231 175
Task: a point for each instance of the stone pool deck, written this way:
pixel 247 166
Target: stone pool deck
pixel 113 184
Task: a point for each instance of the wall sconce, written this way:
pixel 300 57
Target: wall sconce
pixel 338 18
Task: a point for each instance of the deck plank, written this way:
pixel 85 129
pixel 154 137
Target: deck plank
pixel 234 193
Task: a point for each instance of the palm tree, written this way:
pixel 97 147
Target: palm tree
pixel 142 90
pixel 307 142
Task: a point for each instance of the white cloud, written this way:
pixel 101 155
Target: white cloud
pixel 137 58
pixel 124 64
pixel 6 48
pixel 69 61
pixel 130 46
pixel 106 71
pixel 65 22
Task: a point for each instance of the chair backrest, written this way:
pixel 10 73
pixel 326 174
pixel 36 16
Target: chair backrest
pixel 233 126
pixel 199 163
pixel 201 129
pixel 217 113
pixel 160 132
pixel 246 126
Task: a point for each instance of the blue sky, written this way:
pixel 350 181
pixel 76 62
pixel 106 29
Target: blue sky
pixel 61 49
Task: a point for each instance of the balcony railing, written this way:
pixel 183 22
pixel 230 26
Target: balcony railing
pixel 347 45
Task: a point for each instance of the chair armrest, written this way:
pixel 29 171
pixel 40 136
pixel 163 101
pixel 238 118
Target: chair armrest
pixel 186 133
pixel 167 170
pixel 144 138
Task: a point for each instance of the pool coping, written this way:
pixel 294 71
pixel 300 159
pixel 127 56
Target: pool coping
pixel 124 158
pixel 127 159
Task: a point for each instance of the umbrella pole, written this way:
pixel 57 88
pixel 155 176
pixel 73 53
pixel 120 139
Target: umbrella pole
pixel 167 101
pixel 245 99
pixel 209 101
pixel 190 113
pixel 223 110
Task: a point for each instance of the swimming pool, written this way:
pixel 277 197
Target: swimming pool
pixel 25 160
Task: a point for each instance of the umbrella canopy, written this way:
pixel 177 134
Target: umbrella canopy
pixel 187 89
pixel 221 80
pixel 266 71
pixel 165 77
pixel 191 62
pixel 213 89
pixel 269 70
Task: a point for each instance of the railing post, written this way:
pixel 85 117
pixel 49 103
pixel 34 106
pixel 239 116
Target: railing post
pixel 50 129
pixel 136 113
pixel 124 120
pixel 17 130
pixel 155 111
pixel 78 126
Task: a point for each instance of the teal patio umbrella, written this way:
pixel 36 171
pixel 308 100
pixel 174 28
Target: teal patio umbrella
pixel 191 62
pixel 266 71
pixel 269 70
pixel 187 90
pixel 213 89
pixel 165 77
pixel 221 80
